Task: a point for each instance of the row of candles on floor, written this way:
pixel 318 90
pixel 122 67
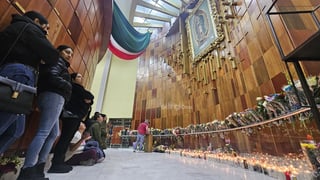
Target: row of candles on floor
pixel 289 167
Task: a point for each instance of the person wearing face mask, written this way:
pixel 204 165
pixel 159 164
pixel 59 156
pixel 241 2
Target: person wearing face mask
pixel 21 64
pixel 79 106
pixel 54 90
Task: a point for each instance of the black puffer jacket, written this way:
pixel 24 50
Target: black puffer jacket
pixel 77 104
pixel 55 78
pixel 32 47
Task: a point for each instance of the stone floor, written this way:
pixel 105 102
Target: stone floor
pixel 124 164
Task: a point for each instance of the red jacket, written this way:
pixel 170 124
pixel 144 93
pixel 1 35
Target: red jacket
pixel 142 128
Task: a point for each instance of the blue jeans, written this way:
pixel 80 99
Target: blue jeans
pixel 12 125
pixel 139 141
pixel 91 144
pixel 50 106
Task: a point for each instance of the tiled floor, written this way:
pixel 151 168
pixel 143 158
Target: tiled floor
pixel 124 164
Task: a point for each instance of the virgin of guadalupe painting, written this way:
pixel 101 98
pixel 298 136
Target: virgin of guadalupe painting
pixel 201 28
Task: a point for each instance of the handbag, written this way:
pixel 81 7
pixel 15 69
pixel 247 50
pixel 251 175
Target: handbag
pixel 15 97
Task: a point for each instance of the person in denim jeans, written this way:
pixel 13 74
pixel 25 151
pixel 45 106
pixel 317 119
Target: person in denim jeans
pixel 13 126
pixel 142 131
pixel 79 105
pixel 54 90
pixel 21 64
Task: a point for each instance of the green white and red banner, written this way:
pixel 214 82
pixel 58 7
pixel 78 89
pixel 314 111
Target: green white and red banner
pixel 125 41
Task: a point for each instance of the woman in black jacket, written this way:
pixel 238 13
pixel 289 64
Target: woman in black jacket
pixel 21 64
pixel 78 106
pixel 54 90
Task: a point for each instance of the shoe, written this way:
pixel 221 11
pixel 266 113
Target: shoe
pixel 88 162
pixel 30 173
pixel 60 168
pixel 40 170
pixel 134 150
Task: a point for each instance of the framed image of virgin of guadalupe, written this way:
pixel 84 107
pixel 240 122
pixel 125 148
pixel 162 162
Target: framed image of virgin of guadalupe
pixel 201 29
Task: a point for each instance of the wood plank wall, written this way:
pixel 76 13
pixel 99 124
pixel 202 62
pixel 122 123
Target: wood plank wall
pixel 85 25
pixel 170 97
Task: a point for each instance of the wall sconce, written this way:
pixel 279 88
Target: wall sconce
pixel 211 68
pixel 198 73
pixel 204 72
pixel 229 12
pixel 222 53
pixel 230 3
pixel 217 57
pixel 214 75
pixel 233 62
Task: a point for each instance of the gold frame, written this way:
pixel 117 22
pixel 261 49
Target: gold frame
pixel 202 41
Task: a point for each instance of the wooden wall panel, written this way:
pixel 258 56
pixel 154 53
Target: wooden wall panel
pixel 81 11
pixel 4 5
pixel 260 70
pixel 279 81
pixel 76 60
pixel 65 10
pixel 42 6
pixel 264 5
pixel 6 17
pixel 91 13
pixel 56 27
pixel 75 27
pixel 267 88
pixel 249 78
pixel 263 35
pixel 74 3
pixel 87 4
pixel 82 42
pixel 254 49
pixel 273 62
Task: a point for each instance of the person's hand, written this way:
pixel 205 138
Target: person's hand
pixel 86 136
pixel 87 101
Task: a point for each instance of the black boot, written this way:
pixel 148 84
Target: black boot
pixel 30 173
pixel 25 173
pixel 60 168
pixel 40 169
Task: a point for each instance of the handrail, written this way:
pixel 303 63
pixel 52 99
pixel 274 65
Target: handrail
pixel 301 110
pixel 154 135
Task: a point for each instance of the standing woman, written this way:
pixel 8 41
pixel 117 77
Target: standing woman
pixel 54 90
pixel 21 64
pixel 79 106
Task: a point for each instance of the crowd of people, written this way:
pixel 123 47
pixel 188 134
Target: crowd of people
pixel 65 128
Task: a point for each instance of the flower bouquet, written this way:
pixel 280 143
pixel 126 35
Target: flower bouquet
pixel 312 154
pixel 9 164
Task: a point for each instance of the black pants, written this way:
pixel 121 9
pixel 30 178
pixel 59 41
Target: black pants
pixel 69 128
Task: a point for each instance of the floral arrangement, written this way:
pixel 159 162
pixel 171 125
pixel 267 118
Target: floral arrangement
pixel 312 152
pixel 9 164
